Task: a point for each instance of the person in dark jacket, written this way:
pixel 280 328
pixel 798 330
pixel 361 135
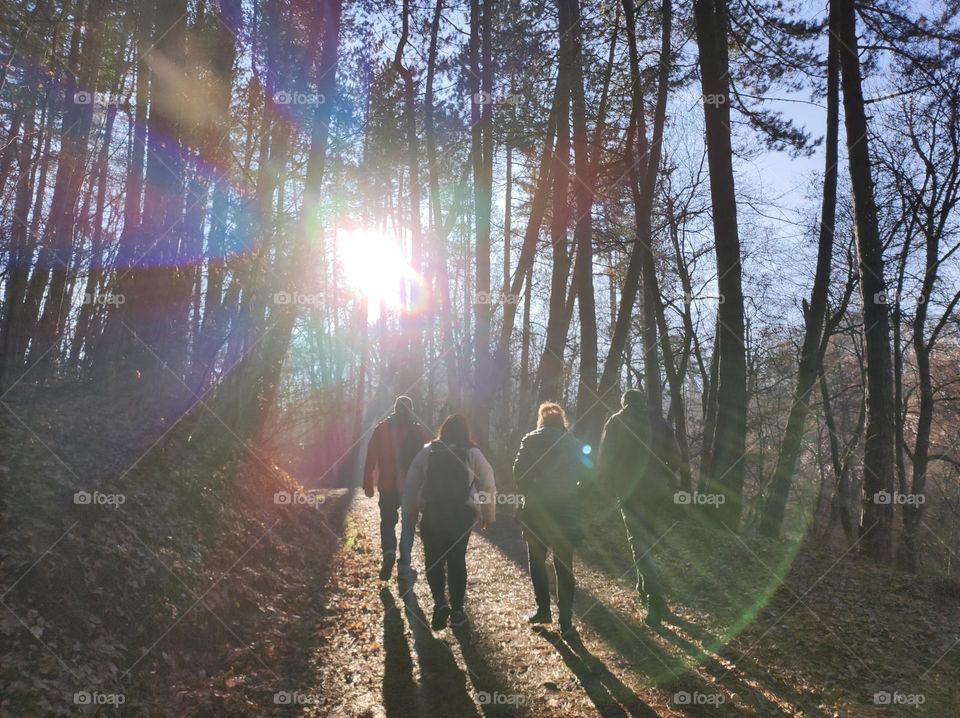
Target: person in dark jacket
pixel 548 469
pixel 450 485
pixel 393 445
pixel 638 463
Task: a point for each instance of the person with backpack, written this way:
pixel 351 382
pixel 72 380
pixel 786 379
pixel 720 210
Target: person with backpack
pixel 449 483
pixel 548 470
pixel 637 461
pixel 393 445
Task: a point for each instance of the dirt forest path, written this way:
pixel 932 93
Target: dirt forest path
pixel 379 657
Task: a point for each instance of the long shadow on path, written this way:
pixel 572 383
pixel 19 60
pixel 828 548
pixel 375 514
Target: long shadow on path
pixel 612 698
pixel 746 678
pixel 399 687
pixel 443 685
pixel 633 641
pixel 486 681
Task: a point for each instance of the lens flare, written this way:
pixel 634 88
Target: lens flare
pixel 375 265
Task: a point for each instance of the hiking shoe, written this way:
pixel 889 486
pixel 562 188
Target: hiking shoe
pixel 540 616
pixel 458 619
pixel 441 613
pixel 566 626
pixel 387 568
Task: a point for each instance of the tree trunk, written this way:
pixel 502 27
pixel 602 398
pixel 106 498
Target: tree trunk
pixel 242 398
pixel 213 328
pixel 507 225
pixel 113 344
pixel 83 337
pixel 410 377
pixel 482 157
pixel 44 260
pixel 841 460
pixel 525 333
pixel 729 438
pixel 551 360
pixel 538 208
pixel 151 303
pixel 584 193
pixel 77 120
pixel 644 166
pixel 814 315
pixel 14 335
pixel 439 236
pixel 935 222
pixel 878 469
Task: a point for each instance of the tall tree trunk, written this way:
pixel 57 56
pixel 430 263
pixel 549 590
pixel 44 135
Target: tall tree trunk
pixel 729 438
pixel 878 468
pixel 151 303
pixel 413 364
pixel 538 208
pixel 935 223
pixel 42 165
pixel 14 335
pixel 551 360
pixel 584 192
pixel 44 261
pixel 8 154
pixel 709 416
pixel 250 389
pixel 642 262
pixel 525 334
pixel 439 237
pixel 841 459
pixel 115 341
pixel 507 399
pixel 654 317
pixel 507 225
pixel 908 553
pixel 814 312
pixel 213 328
pixel 83 336
pixel 644 166
pixel 77 120
pixel 482 156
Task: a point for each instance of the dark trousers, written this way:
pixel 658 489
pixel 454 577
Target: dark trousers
pixel 562 565
pixel 642 537
pixel 389 516
pixel 445 556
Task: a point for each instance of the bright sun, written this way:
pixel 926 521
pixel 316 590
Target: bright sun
pixel 374 264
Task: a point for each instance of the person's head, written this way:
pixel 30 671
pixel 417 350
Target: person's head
pixel 403 407
pixel 552 414
pixel 632 398
pixel 455 431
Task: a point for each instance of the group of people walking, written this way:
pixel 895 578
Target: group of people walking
pixel 446 483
